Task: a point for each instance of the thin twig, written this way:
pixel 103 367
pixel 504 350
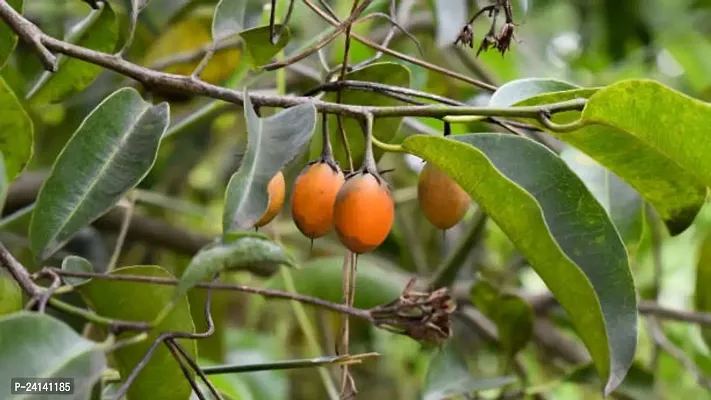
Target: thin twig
pixel 186 371
pixel 288 364
pixel 380 87
pixel 125 223
pixel 29 33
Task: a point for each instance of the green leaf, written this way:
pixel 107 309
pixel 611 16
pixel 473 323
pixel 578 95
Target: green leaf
pixel 3 182
pixel 16 132
pixel 271 143
pixel 132 8
pixel 240 254
pixel 8 38
pixel 39 346
pixel 384 129
pixel 515 91
pixel 559 227
pixel 161 378
pixel 451 16
pixel 110 153
pixel 258 46
pixel 10 294
pixel 702 295
pixel 76 264
pixel 99 31
pixel 229 19
pixel 664 156
pixel 448 376
pixel 322 277
pixel 638 385
pixel 624 205
pixel 484 295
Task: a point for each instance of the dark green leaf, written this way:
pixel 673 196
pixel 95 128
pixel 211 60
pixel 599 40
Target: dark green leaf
pixel 624 205
pixel 384 129
pixel 3 182
pixel 161 378
pixel 451 16
pixel 638 385
pixel 99 31
pixel 37 345
pixel 664 156
pixel 484 295
pixel 448 376
pixel 76 264
pixel 271 143
pixel 8 39
pixel 10 294
pixel 514 321
pixel 702 295
pixel 322 277
pixel 239 254
pixel 132 8
pixel 110 153
pixel 258 46
pixel 16 132
pixel 522 89
pixel 559 227
pixel 229 19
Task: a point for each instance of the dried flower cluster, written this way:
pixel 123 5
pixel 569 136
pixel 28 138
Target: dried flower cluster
pixel 421 315
pixel 501 41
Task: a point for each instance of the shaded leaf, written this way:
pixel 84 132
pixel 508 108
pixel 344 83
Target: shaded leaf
pixel 451 16
pixel 16 133
pixel 484 295
pixel 8 38
pixel 76 264
pixel 624 205
pixel 110 153
pixel 239 254
pixel 322 277
pixel 161 378
pixel 132 7
pixel 228 19
pixel 37 345
pixel 385 129
pixel 10 294
pixel 702 295
pixel 99 31
pixel 271 143
pixel 448 376
pixel 638 385
pixel 3 182
pixel 513 92
pixel 559 227
pixel 664 156
pixel 258 46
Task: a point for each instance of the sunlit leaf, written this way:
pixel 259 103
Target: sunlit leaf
pixel 664 156
pixel 99 31
pixel 36 345
pixel 8 38
pixel 513 92
pixel 702 295
pixel 258 46
pixel 161 378
pixel 16 133
pixel 271 143
pixel 239 254
pixel 560 228
pixel 110 153
pixel 449 377
pixel 384 129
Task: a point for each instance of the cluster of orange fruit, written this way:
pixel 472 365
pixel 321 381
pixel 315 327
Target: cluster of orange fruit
pixel 360 205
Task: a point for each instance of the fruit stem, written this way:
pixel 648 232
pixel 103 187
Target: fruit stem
pixel 369 158
pixel 393 148
pixel 326 149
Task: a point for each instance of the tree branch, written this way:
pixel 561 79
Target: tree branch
pixel 29 33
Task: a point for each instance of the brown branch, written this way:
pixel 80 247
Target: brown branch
pixel 29 33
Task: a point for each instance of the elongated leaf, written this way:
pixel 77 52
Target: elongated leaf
pixel 132 8
pixel 161 378
pixel 39 346
pixel 242 253
pixel 624 205
pixel 559 227
pixel 702 295
pixel 99 31
pixel 228 19
pixel 384 129
pixel 271 143
pixel 522 89
pixel 110 153
pixel 451 16
pixel 16 133
pixel 10 294
pixel 664 156
pixel 258 46
pixel 638 385
pixel 76 264
pixel 321 278
pixel 8 39
pixel 3 182
pixel 449 377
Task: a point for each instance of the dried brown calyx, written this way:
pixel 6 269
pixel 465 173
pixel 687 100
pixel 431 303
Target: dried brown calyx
pixel 424 316
pixel 501 41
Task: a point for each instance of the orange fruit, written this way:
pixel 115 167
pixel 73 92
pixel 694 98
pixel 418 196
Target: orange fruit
pixel 313 197
pixel 276 189
pixel 441 199
pixel 363 212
